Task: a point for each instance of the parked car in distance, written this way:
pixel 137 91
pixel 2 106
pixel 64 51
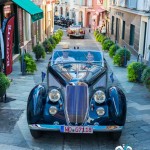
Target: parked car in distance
pixel 76 98
pixel 56 19
pixel 76 31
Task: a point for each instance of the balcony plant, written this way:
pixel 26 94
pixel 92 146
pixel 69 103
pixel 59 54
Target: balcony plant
pixel 146 77
pixel 121 57
pixel 4 84
pixel 39 51
pixel 135 71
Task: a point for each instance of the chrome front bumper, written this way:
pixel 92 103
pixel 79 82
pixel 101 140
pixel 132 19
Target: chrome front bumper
pixel 96 128
pixel 77 35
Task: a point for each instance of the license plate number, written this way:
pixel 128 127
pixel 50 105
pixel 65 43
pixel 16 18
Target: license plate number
pixel 76 129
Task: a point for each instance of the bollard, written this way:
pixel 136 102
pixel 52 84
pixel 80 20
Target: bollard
pixel 125 56
pixel 23 64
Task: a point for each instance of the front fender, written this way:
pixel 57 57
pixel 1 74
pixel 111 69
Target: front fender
pixel 117 105
pixel 36 102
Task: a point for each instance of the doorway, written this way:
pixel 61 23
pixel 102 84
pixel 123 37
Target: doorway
pixel 117 29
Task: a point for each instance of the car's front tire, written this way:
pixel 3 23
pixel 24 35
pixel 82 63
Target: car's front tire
pixel 35 133
pixel 116 135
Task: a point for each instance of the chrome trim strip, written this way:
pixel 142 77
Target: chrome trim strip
pixel 96 128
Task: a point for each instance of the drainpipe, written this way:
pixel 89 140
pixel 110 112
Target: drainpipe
pixel 16 40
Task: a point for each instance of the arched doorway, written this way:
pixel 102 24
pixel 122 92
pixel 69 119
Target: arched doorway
pixel 67 12
pixel 89 19
pixel 61 11
pixel 56 11
pixel 81 18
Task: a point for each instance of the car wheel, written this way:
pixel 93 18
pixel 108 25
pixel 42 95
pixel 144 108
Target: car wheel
pixel 70 37
pixel 35 133
pixel 82 37
pixel 116 135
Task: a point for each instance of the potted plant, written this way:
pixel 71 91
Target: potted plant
pixel 30 65
pixel 39 51
pixel 135 71
pixel 106 45
pixel 121 57
pixel 48 46
pixel 146 77
pixel 56 38
pixel 4 84
pixel 113 49
pixel 52 41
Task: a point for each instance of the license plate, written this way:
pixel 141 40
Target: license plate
pixel 76 129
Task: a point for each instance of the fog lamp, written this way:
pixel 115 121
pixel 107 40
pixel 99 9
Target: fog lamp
pixel 53 110
pixel 100 111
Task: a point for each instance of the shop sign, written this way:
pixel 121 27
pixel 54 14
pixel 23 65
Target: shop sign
pixel 52 1
pixel 37 2
pixel 119 14
pixel 8 39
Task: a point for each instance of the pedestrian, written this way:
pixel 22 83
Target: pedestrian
pixel 89 28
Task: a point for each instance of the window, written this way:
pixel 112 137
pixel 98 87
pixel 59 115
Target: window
pixel 123 30
pixel 112 25
pixel 132 31
pixel 132 4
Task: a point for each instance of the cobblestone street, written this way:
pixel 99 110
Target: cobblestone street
pixel 14 132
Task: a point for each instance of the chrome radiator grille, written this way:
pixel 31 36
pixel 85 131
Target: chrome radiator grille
pixel 76 103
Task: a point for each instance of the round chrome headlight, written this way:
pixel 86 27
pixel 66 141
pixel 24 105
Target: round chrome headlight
pixel 53 110
pixel 99 97
pixel 100 111
pixel 54 95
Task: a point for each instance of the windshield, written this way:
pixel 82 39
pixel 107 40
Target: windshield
pixel 76 56
pixel 78 70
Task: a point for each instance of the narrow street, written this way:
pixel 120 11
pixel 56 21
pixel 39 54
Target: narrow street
pixel 14 132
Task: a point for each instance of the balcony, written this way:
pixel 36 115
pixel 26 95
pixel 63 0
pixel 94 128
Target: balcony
pixel 143 5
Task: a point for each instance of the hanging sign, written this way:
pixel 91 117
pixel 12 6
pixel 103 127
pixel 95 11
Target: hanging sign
pixel 8 40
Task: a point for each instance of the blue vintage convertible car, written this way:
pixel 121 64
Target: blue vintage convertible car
pixel 76 98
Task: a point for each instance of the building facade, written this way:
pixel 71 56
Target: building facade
pixel 95 13
pixel 43 28
pixel 25 13
pixel 130 25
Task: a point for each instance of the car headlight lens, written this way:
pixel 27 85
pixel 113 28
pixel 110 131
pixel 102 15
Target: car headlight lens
pixel 100 111
pixel 54 95
pixel 99 96
pixel 53 110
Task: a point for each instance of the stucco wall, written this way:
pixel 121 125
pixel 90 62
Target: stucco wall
pixel 129 19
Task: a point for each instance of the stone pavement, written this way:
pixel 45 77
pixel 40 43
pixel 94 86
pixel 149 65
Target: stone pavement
pixel 135 134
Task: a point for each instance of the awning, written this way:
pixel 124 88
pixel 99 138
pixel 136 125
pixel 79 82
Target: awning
pixel 100 10
pixel 90 10
pixel 35 11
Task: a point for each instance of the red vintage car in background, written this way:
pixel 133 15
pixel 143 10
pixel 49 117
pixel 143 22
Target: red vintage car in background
pixel 76 31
